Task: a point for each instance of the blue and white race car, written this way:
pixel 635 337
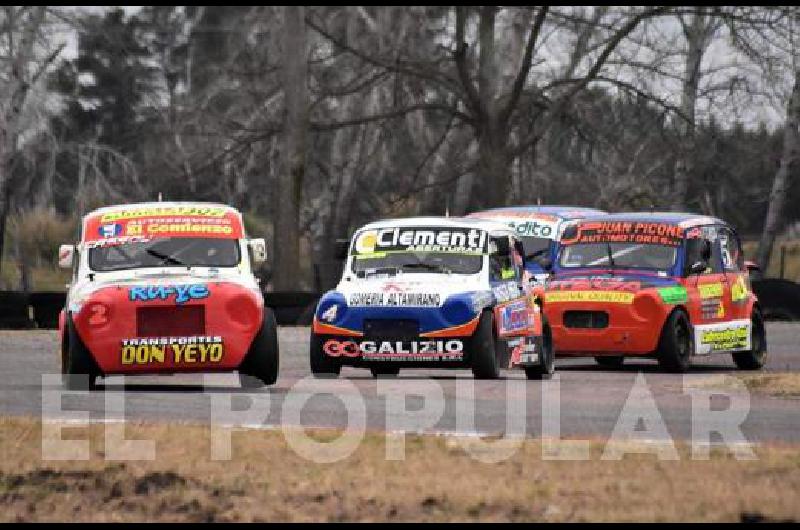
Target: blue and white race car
pixel 539 228
pixel 432 292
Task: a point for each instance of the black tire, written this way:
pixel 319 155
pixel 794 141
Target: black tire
pixel 547 366
pixel 79 369
pixel 261 363
pixel 322 365
pixel 757 356
pixel 675 346
pixel 484 350
pixel 610 361
pixel 385 371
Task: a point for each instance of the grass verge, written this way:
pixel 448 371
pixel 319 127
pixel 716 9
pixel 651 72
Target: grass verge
pixel 778 384
pixel 438 481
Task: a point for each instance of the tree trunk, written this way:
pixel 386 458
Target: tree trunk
pixel 780 186
pixel 464 187
pixel 698 34
pixel 289 183
pixel 493 168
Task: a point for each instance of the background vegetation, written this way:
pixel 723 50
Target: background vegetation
pixel 316 120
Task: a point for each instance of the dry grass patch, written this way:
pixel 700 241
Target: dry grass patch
pixel 438 481
pixel 779 384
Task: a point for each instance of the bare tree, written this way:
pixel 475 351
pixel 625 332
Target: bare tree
pixel 780 185
pixel 698 29
pixel 25 55
pixel 289 183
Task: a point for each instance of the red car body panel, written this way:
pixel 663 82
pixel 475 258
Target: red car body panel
pixel 108 318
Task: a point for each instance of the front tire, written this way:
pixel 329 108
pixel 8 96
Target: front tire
pixel 79 369
pixel 322 365
pixel 757 356
pixel 484 351
pixel 261 364
pixel 547 366
pixel 675 344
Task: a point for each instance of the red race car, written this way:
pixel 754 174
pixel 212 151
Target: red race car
pixel 668 285
pixel 163 288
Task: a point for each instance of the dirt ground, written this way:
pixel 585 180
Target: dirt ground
pixel 778 384
pixel 438 481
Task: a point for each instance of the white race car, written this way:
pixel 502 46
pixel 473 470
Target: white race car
pixel 432 292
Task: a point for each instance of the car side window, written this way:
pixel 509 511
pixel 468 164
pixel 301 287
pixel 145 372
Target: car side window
pixel 712 234
pixel 731 250
pixel 501 264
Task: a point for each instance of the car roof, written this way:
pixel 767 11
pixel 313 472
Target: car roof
pixel 452 222
pixel 158 204
pixel 554 211
pixel 683 219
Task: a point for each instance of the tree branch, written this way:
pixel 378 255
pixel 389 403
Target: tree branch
pixel 525 67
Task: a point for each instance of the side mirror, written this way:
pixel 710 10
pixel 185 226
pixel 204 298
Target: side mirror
pixel 698 267
pixel 66 255
pixel 751 266
pixel 340 249
pixel 259 248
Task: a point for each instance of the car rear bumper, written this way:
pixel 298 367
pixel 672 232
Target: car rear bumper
pixel 162 336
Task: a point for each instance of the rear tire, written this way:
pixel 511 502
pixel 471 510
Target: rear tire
pixel 675 344
pixel 610 361
pixel 385 371
pixel 757 356
pixel 484 351
pixel 322 365
pixel 547 365
pixel 79 369
pixel 261 364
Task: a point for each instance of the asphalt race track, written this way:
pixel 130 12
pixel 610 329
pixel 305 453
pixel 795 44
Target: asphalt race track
pixel 591 397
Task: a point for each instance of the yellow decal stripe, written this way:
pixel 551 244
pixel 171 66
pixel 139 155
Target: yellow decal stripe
pixel 611 297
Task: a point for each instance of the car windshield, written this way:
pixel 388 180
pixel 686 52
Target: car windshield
pixel 161 252
pixel 411 261
pixel 622 255
pixel 535 246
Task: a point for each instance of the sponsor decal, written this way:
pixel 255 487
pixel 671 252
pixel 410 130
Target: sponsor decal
pixel 739 290
pixel 710 290
pixel 514 317
pixel 113 241
pixel 601 284
pixel 627 232
pixel 169 222
pixel 182 293
pixel 170 227
pixel 169 211
pixel 418 350
pixel 176 350
pixel 610 297
pixel 329 315
pixel 506 291
pixel 533 229
pixel 421 239
pixel 673 295
pixel 110 230
pixel 394 299
pixel 523 351
pixel 694 233
pixel 727 336
pixel 712 309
